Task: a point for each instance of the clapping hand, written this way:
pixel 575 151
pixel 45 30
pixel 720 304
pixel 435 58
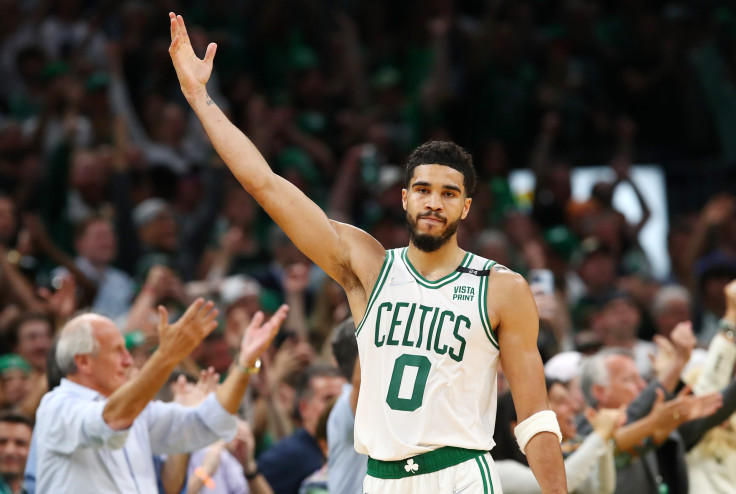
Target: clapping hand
pixel 191 395
pixel 258 336
pixel 179 339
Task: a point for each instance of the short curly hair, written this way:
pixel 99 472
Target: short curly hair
pixel 445 153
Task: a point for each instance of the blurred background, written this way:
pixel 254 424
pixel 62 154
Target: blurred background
pixel 604 134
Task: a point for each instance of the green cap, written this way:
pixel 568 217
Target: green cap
pixel 13 361
pixel 134 339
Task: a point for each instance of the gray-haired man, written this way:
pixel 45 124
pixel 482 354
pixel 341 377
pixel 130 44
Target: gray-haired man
pixel 97 431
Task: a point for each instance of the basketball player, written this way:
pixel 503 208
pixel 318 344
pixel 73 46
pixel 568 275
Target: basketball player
pixel 434 320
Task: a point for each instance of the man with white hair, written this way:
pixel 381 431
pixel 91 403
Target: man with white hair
pixel 97 432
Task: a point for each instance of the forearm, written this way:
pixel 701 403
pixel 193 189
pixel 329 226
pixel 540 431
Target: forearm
pixel 174 472
pixel 256 481
pixel 139 315
pixel 259 485
pixel 18 285
pixel 671 376
pixel 235 149
pixel 128 401
pixel 61 258
pixel 230 393
pixel 632 436
pixel 545 459
pixel 296 319
pixel 310 230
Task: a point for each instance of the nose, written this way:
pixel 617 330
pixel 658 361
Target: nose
pixel 434 202
pixel 127 359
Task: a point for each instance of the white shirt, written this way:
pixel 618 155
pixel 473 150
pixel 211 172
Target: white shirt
pixel 77 452
pixel 589 470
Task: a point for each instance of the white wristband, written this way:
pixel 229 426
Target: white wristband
pixel 544 421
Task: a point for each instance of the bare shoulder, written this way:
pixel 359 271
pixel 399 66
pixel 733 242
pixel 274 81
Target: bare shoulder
pixel 508 294
pixel 503 278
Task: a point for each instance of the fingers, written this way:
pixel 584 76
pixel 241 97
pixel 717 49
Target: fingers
pixel 173 26
pixel 192 310
pixel 279 317
pixel 684 391
pixel 210 55
pixel 182 28
pixel 659 398
pixel 163 319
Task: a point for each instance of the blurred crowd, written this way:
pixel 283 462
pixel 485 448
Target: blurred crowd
pixel 112 200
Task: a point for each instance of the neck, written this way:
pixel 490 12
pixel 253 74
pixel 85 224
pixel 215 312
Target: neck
pixel 99 266
pixel 435 265
pixel 83 380
pixel 613 340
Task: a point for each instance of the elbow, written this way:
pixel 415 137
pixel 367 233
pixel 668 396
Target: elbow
pixel 117 421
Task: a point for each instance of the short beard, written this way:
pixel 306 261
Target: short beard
pixel 427 242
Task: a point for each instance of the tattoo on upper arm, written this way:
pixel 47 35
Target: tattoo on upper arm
pixel 208 100
pixel 499 267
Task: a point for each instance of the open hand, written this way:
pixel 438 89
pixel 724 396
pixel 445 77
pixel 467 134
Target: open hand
pixel 193 72
pixel 258 335
pixel 179 339
pixel 191 395
pixel 605 421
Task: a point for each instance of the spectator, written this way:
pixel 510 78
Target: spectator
pixel 346 468
pixel 96 246
pixel 107 419
pixel 617 323
pixel 588 460
pixel 14 379
pixel 290 461
pixel 610 379
pixel 30 337
pixel 15 439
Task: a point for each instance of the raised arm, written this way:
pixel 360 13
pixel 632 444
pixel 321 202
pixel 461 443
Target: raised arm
pixel 331 245
pixel 176 341
pixel 514 315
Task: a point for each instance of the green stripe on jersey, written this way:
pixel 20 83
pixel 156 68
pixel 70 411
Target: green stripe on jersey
pixel 437 283
pixel 483 305
pixel 382 277
pixel 483 476
pixel 488 470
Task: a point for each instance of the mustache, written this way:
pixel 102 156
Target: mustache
pixel 432 214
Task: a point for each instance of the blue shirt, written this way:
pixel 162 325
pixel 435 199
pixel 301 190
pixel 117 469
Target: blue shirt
pixel 347 467
pixel 77 452
pixel 287 463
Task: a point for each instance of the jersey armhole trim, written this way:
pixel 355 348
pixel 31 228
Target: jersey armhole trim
pixel 483 306
pixel 382 276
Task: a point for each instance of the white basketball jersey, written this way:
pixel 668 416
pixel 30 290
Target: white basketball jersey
pixel 428 359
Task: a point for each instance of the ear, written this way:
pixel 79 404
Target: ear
pixel 598 392
pixel 83 363
pixel 404 193
pixel 466 207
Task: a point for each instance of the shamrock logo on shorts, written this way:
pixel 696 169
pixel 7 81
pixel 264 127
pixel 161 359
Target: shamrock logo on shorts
pixel 411 466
